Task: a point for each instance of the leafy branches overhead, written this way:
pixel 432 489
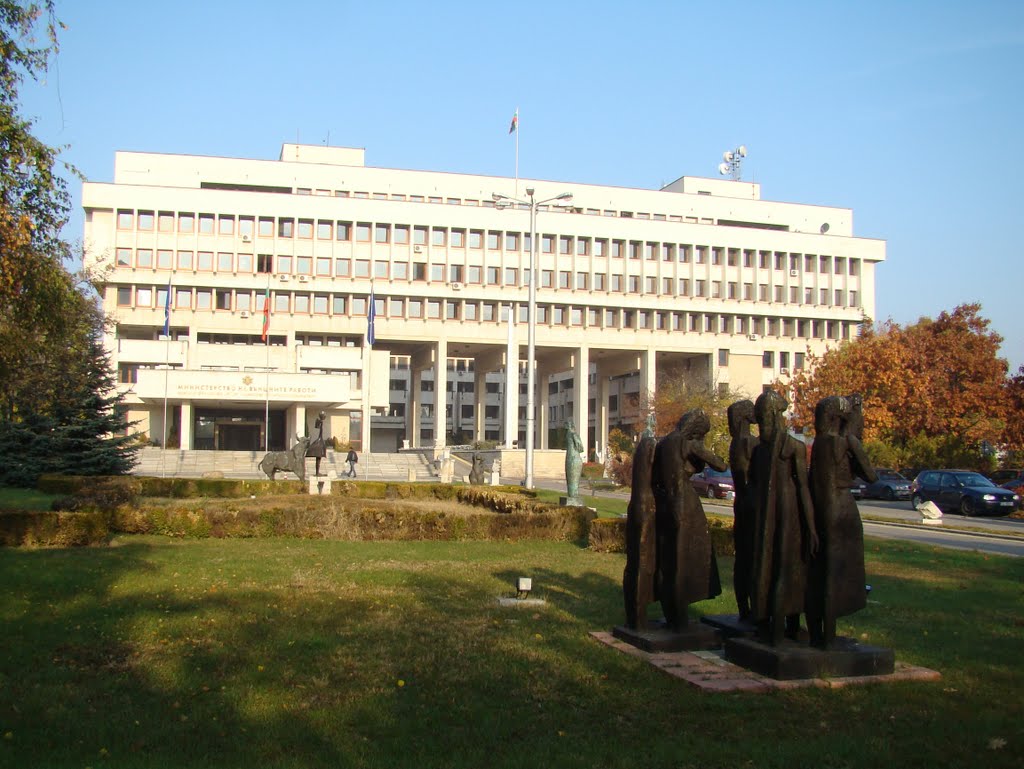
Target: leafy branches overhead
pixel 935 387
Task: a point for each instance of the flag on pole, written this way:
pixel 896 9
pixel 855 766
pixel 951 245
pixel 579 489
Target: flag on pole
pixel 514 126
pixel 167 309
pixel 371 317
pixel 266 313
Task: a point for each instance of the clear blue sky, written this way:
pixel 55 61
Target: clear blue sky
pixel 907 112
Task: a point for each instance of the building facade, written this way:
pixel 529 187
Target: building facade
pixel 243 293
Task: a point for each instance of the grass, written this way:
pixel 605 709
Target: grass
pixel 295 653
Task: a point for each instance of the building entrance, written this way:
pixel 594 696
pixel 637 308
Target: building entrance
pixel 243 430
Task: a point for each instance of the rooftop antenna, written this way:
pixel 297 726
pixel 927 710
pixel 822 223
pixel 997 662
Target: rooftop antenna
pixel 732 160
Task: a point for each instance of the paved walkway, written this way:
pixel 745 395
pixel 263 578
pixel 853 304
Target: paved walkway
pixel 710 672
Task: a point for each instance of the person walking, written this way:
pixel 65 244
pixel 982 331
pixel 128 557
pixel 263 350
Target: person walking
pixel 352 459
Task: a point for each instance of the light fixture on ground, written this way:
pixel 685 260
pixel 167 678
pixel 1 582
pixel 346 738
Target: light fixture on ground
pixel 523 586
pixel 505 201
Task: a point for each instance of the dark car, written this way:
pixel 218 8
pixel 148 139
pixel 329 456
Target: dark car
pixel 890 485
pixel 1017 487
pixel 962 491
pixel 1003 477
pixel 857 486
pixel 714 484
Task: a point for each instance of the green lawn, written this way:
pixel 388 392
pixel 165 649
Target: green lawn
pixel 24 499
pixel 295 653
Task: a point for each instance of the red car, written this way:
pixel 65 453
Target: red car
pixel 714 484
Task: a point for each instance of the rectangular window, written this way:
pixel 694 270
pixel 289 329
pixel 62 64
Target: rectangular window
pixel 204 261
pixel 165 221
pixel 183 298
pixel 582 246
pixel 600 246
pixel 458 238
pixel 339 305
pixel 164 259
pixel 823 294
pixel 284 265
pixel 698 288
pixel 302 303
pixel 285 227
pixel 245 226
pixel 281 303
pixel 768 359
pixel 511 276
pixel 433 309
pixel 226 225
pixel 382 233
pixel 125 220
pixel 362 232
pixel 343 231
pixel 206 224
pixel 184 260
pixel 400 270
pixel 419 236
pixel 204 299
pixel 146 221
pixel 186 223
pixel 599 281
pixel 342 268
pixel 124 296
pixel 362 268
pixel 225 262
pixel 223 297
pixel 723 357
pixel 493 240
pixel 565 245
pixel 304 265
pixel 581 281
pixel 124 257
pixel 323 266
pixel 266 227
pixel 143 297
pixel 401 234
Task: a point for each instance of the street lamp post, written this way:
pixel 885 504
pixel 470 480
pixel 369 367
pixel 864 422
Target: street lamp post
pixel 504 201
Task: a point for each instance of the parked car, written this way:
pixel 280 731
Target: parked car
pixel 857 486
pixel 714 484
pixel 890 485
pixel 962 491
pixel 1002 477
pixel 1017 487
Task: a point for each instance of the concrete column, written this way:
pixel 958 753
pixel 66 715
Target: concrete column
pixel 510 408
pixel 440 392
pixel 415 402
pixel 543 403
pixel 186 425
pixel 479 404
pixel 648 379
pixel 300 421
pixel 581 392
pixel 603 391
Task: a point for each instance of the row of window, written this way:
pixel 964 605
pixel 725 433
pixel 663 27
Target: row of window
pixel 453 309
pixel 491 275
pixel 480 239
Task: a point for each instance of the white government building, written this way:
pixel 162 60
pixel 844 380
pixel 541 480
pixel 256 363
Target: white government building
pixel 701 277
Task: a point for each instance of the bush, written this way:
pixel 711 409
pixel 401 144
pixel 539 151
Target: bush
pixel 621 470
pixel 53 529
pixel 608 535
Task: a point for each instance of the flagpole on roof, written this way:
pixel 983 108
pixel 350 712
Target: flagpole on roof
pixel 515 125
pixel 266 337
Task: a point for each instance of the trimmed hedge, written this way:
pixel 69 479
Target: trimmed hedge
pixel 41 529
pixel 608 535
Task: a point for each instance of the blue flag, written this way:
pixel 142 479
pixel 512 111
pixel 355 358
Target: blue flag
pixel 167 310
pixel 371 316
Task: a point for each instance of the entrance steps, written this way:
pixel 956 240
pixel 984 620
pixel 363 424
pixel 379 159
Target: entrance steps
pixel 245 464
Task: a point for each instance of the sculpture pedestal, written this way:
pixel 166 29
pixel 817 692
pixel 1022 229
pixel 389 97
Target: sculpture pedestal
pixel 571 502
pixel 319 484
pixel 791 660
pixel 730 625
pixel 658 638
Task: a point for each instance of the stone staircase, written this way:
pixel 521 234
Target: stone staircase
pixel 245 464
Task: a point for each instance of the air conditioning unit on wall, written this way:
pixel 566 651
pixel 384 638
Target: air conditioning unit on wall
pixel 752 337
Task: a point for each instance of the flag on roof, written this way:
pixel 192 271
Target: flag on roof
pixel 167 309
pixel 515 123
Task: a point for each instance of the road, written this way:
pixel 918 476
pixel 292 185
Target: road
pixel 898 521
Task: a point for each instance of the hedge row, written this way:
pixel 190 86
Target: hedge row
pixel 39 529
pixel 608 535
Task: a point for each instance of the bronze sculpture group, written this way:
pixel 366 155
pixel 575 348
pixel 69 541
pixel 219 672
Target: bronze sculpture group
pixel 797 533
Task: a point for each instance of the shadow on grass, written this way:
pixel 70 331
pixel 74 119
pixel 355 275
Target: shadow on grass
pixel 290 653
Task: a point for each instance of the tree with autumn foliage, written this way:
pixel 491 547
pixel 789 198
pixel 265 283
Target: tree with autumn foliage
pixel 934 391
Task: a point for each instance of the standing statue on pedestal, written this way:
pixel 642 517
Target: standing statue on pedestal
pixel 687 568
pixel 573 463
pixel 317 448
pixel 784 532
pixel 741 417
pixel 641 536
pixel 836 583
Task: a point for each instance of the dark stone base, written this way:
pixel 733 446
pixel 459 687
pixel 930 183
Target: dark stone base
pixel 571 502
pixel 730 625
pixel 658 638
pixel 791 660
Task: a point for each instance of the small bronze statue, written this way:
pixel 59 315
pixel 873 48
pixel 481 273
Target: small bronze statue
pixel 573 461
pixel 641 538
pixel 318 448
pixel 688 571
pixel 741 417
pixel 785 537
pixel 476 472
pixel 836 580
pixel 292 461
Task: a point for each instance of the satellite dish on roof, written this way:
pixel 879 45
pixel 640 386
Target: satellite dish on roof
pixel 723 169
pixel 727 156
pixel 742 150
